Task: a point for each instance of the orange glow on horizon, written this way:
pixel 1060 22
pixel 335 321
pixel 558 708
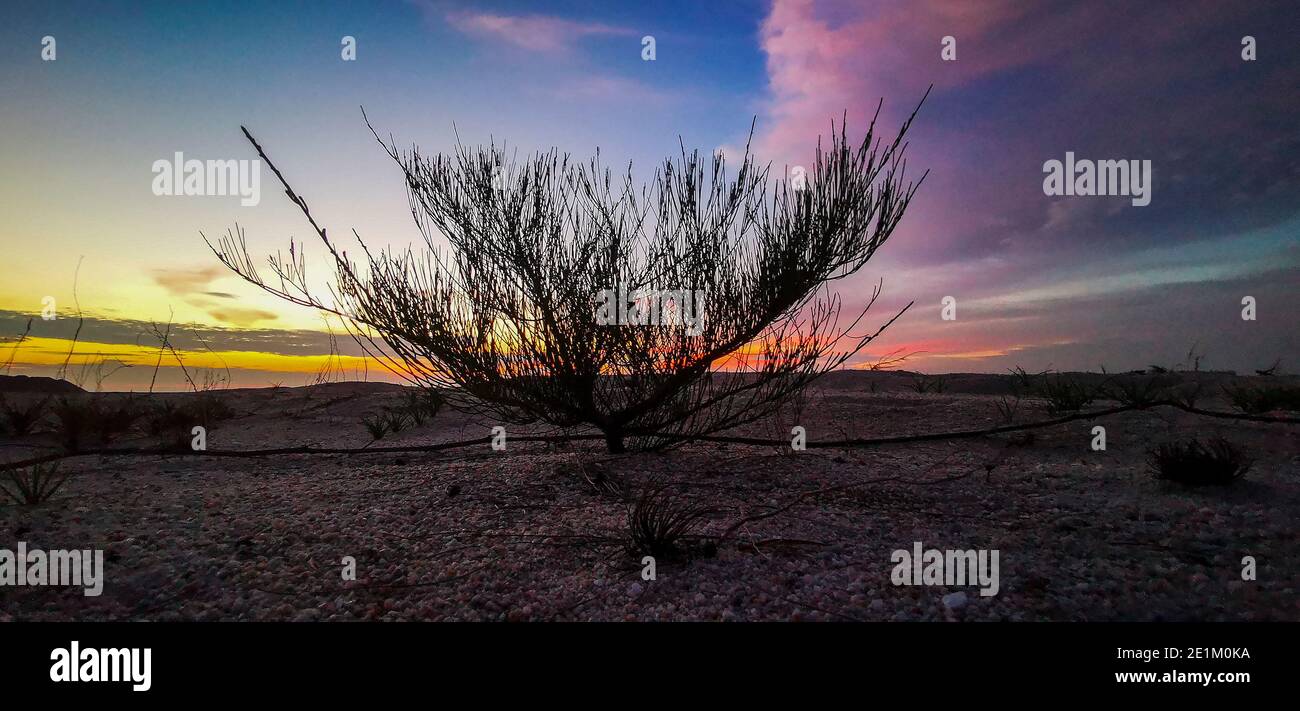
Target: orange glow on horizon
pixel 54 351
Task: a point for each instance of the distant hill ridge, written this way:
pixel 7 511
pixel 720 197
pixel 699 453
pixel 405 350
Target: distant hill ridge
pixel 36 384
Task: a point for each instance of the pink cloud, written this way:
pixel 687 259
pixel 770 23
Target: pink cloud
pixel 1106 76
pixel 818 67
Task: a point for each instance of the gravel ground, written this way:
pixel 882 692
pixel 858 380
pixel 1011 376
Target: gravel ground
pixel 523 534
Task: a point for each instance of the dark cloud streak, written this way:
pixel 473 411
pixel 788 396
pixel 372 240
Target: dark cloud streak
pixel 185 336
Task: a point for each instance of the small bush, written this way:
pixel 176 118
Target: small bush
pixel 1217 461
pixel 1008 408
pixel 173 421
pixel 1064 394
pixel 208 409
pixel 1271 370
pixel 923 384
pixel 394 420
pixel 165 416
pixel 116 418
pixel 88 420
pixel 600 480
pixel 1021 379
pixel 422 405
pixel 33 487
pixel 20 419
pixel 658 520
pixel 170 422
pixel 1187 395
pixel 1260 399
pixel 1141 391
pixel 413 411
pixel 376 425
pixel 75 421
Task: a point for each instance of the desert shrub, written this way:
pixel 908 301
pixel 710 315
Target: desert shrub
pixel 1022 381
pixel 504 325
pixel 164 417
pixel 75 421
pixel 1063 393
pixel 1008 408
pixel 1271 370
pixel 1022 386
pixel 170 422
pixel 208 409
pixel 376 425
pixel 1217 461
pixel 1259 399
pixel 83 421
pixel 394 420
pixel 1142 390
pixel 421 405
pixel 20 418
pixel 173 421
pixel 413 411
pixel 32 486
pixel 781 424
pixel 115 418
pixel 597 477
pixel 658 520
pixel 923 384
pixel 1186 395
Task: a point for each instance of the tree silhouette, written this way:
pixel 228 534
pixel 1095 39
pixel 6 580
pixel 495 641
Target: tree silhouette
pixel 508 321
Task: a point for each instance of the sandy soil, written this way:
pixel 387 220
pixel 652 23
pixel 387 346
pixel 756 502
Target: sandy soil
pixel 523 534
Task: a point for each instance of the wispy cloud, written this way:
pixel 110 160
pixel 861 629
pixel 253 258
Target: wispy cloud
pixel 184 336
pixel 538 33
pixel 186 282
pixel 606 88
pixel 241 317
pixel 193 285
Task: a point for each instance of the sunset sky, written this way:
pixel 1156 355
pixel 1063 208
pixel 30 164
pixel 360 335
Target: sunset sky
pixel 1039 281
